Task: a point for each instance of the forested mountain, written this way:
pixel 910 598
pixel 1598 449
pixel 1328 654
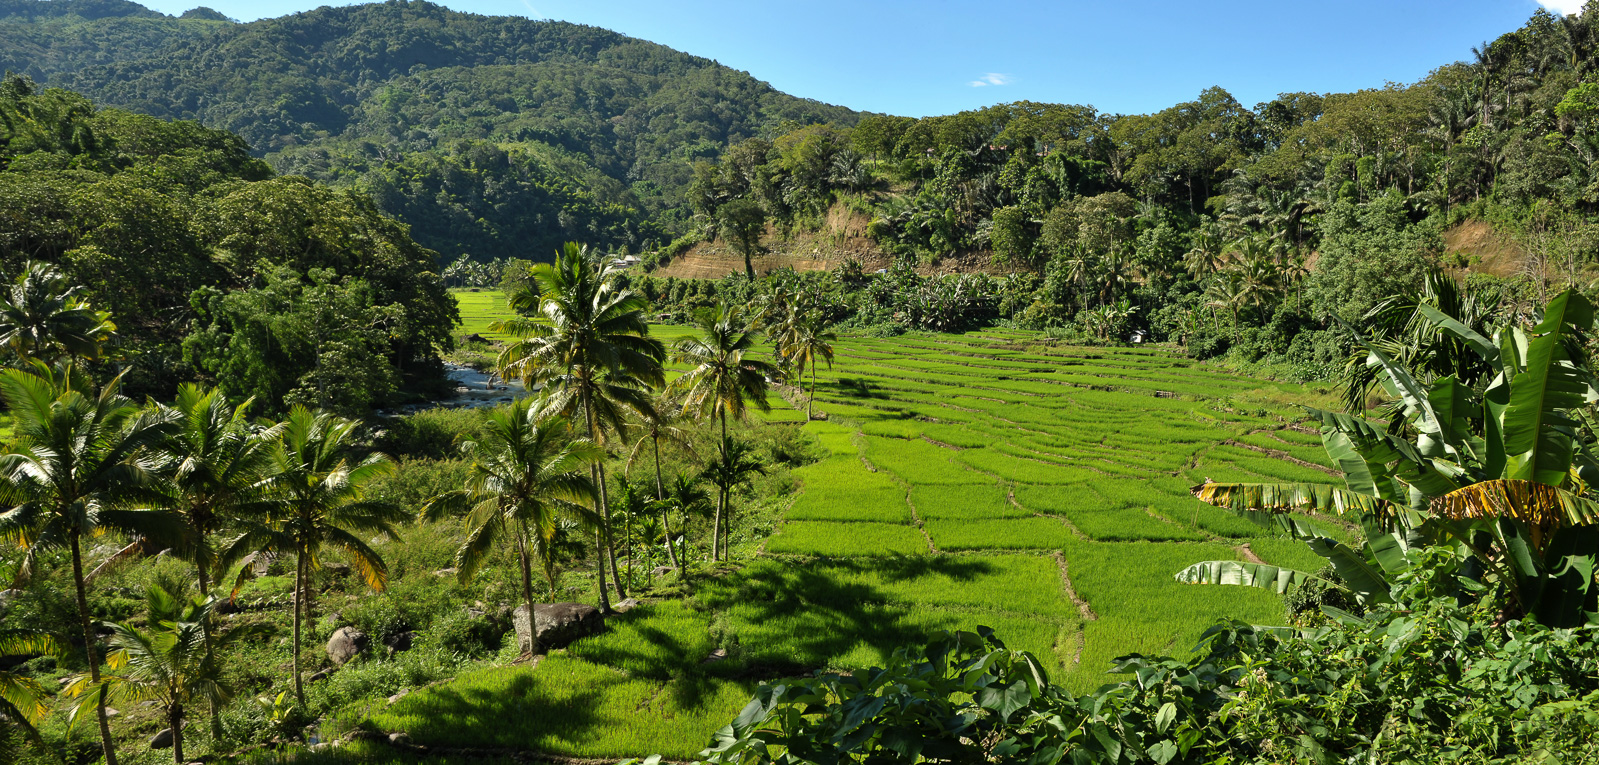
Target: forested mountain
pixel 491 136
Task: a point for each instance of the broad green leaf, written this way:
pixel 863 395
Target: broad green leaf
pixel 1163 719
pixel 1367 583
pixel 1387 546
pixel 1539 434
pixel 1163 752
pixel 1451 326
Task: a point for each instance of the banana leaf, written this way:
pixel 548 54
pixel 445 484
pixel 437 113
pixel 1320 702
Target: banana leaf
pixel 1262 575
pixel 1291 497
pixel 1536 504
pixel 1366 583
pixel 1540 436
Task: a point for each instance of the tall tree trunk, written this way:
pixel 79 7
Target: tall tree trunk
pixel 721 496
pixel 598 476
pixel 749 266
pixel 175 719
pixel 660 496
pixel 811 398
pixel 299 598
pixel 610 544
pixel 88 651
pixel 523 543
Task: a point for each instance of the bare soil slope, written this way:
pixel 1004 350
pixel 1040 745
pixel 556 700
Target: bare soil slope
pixel 841 237
pixel 1496 253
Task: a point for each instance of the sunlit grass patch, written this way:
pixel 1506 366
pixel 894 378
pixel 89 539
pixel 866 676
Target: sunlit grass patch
pixel 969 501
pixel 1005 534
pixel 846 539
pixel 1023 470
pixel 919 462
pixel 479 310
pixel 1142 608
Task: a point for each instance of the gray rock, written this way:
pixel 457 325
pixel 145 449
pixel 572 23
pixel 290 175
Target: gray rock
pixel 162 740
pixel 399 642
pixel 346 644
pixel 400 738
pixel 402 694
pixel 626 605
pixel 557 625
pixel 446 572
pixel 319 675
pixel 7 597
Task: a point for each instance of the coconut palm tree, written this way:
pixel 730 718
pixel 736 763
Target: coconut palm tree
pixel 1227 290
pixel 811 339
pixel 174 662
pixel 654 426
pixel 527 472
pixel 737 462
pixel 42 317
pixel 317 487
pixel 80 465
pixel 592 353
pixel 687 498
pixel 22 698
pixel 723 373
pixel 218 462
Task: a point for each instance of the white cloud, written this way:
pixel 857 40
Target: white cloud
pixel 1562 7
pixel 992 78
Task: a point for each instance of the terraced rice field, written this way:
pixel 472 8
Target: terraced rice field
pixel 1063 473
pixel 983 479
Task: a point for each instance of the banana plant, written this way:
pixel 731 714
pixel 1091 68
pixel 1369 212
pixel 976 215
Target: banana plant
pixel 1500 475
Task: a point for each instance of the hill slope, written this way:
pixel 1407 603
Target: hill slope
pixel 492 136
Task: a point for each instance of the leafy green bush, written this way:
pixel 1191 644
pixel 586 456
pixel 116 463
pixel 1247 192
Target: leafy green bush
pixel 467 634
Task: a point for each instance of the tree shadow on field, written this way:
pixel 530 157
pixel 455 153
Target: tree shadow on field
pixel 794 617
pixel 515 716
pixel 857 388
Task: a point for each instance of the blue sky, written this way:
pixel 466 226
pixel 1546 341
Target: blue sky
pixel 938 57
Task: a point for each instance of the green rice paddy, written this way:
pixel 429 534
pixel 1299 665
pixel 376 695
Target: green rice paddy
pixel 981 479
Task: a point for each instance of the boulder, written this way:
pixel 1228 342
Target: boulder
pixel 399 642
pixel 555 624
pixel 626 606
pixel 162 740
pixel 346 644
pixel 399 739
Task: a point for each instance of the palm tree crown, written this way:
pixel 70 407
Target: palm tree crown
pixel 43 318
pixel 218 463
